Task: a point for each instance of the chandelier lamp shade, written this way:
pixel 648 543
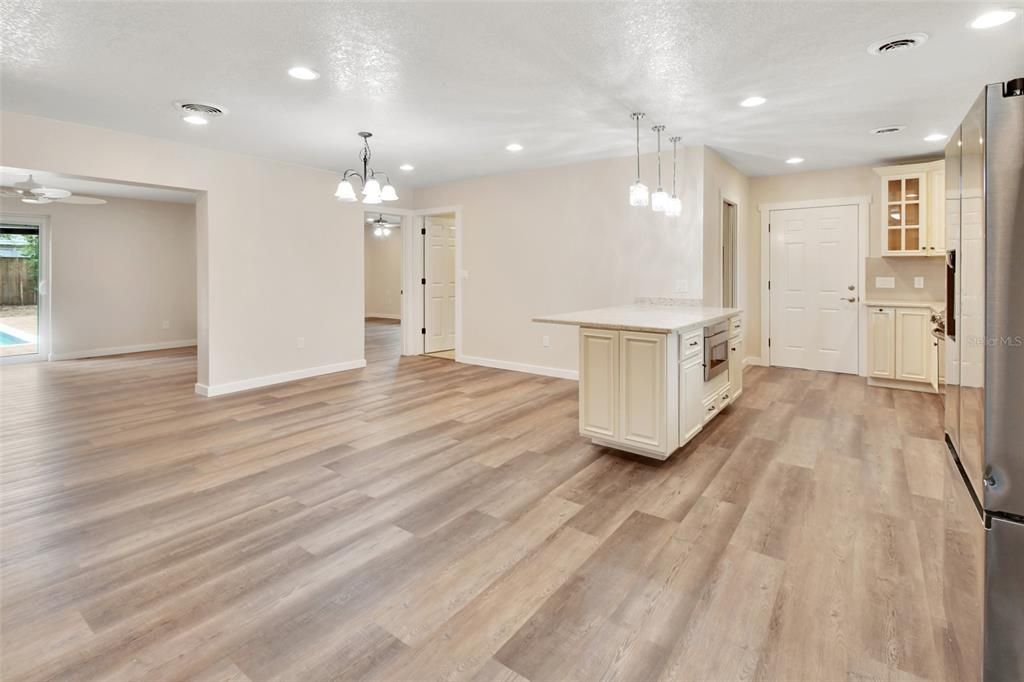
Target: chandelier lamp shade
pixel 372 191
pixel 638 195
pixel 660 201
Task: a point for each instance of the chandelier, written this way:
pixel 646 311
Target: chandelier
pixel 660 201
pixel 373 192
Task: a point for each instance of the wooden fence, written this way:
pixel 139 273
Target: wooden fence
pixel 17 287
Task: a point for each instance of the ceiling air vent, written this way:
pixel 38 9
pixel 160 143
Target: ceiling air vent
pixel 899 43
pixel 888 130
pixel 206 110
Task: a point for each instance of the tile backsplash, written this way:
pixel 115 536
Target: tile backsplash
pixel 901 273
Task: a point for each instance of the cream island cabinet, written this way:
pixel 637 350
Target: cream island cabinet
pixel 651 376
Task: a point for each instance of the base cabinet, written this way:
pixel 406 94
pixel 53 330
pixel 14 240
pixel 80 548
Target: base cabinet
pixel 691 386
pixel 902 353
pixel 735 368
pixel 642 394
pixel 599 383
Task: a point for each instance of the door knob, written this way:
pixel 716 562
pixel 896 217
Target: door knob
pixel 852 299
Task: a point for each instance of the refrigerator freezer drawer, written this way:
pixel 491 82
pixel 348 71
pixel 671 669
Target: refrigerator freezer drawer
pixel 1004 601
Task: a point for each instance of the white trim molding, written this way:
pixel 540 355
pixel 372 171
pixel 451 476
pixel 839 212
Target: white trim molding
pixel 519 367
pixel 271 379
pixel 121 350
pixel 863 204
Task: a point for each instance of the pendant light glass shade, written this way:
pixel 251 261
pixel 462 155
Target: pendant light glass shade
pixel 638 194
pixel 659 201
pixel 388 193
pixel 345 191
pixel 674 208
pixel 371 187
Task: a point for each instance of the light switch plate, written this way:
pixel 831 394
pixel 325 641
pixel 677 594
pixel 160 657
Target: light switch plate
pixel 885 282
pixel 681 286
pixel 919 282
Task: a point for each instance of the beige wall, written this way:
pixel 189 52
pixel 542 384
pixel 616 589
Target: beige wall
pixel 843 182
pixel 255 218
pixel 722 181
pixel 383 275
pixel 118 272
pixel 560 239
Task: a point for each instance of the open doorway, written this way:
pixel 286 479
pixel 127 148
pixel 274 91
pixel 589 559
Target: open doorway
pixel 382 272
pixel 730 238
pixel 439 285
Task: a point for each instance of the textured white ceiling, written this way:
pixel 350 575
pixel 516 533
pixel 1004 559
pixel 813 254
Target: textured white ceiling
pixel 445 86
pixel 96 188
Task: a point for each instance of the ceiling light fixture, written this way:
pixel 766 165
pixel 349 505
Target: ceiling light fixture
pixel 514 147
pixel 195 119
pixel 659 200
pixel 303 73
pixel 754 101
pixel 638 195
pixel 407 167
pixel 994 18
pixel 935 137
pixel 793 160
pixel 373 193
pixel 675 204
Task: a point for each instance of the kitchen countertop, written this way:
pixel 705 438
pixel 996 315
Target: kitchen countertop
pixel 935 305
pixel 643 317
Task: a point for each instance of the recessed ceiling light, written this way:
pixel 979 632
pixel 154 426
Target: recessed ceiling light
pixel 407 167
pixel 754 101
pixel 994 18
pixel 935 137
pixel 303 73
pixel 794 160
pixel 514 147
pixel 195 119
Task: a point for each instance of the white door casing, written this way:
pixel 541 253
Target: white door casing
pixel 814 292
pixel 439 271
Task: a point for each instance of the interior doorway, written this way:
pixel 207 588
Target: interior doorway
pixel 24 289
pixel 730 237
pixel 439 285
pixel 382 277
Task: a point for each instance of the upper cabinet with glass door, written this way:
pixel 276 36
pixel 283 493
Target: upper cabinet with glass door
pixel 913 216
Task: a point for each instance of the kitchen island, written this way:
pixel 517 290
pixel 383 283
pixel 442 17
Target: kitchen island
pixel 653 373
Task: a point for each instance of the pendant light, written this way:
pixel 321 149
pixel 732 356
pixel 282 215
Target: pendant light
pixel 638 195
pixel 372 192
pixel 675 204
pixel 659 200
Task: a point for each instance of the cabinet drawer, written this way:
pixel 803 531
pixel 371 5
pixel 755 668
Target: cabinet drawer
pixel 691 344
pixel 735 326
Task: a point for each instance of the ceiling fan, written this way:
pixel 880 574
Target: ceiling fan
pixel 31 192
pixel 381 227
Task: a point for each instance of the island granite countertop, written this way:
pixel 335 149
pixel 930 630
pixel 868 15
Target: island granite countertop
pixel 644 317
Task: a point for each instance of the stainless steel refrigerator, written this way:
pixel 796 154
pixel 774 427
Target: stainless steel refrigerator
pixel 983 539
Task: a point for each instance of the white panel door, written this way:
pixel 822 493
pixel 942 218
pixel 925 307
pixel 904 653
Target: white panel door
pixel 642 407
pixel 439 296
pixel 814 279
pixel 599 383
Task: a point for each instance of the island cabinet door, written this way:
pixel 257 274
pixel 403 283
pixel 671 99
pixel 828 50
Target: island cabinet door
pixel 735 367
pixel 691 403
pixel 642 367
pixel 599 383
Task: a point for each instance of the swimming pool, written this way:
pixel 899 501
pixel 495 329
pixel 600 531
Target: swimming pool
pixel 10 340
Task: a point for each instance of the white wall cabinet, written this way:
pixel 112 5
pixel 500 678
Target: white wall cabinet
pixel 913 220
pixel 902 353
pixel 645 393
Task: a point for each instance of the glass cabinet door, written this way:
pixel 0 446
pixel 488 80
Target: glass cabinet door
pixel 904 214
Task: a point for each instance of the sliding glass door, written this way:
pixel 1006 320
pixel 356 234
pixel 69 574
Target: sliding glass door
pixel 23 290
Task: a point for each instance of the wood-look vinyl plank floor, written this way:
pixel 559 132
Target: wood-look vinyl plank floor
pixel 421 520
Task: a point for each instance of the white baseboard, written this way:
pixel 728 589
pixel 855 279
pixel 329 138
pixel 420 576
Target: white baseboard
pixel 384 316
pixel 751 360
pixel 120 350
pixel 520 367
pixel 271 379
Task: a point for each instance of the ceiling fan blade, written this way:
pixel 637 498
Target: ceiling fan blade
pixel 9 192
pixel 87 201
pixel 51 193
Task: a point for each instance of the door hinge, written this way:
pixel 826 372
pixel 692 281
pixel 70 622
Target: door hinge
pixel 769 285
pixel 423 330
pixel 423 280
pixel 769 342
pixel 423 230
pixel 769 227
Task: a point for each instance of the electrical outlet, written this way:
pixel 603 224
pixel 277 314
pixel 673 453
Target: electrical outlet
pixel 885 282
pixel 166 324
pixel 681 286
pixel 545 341
pixel 919 282
pixel 300 342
